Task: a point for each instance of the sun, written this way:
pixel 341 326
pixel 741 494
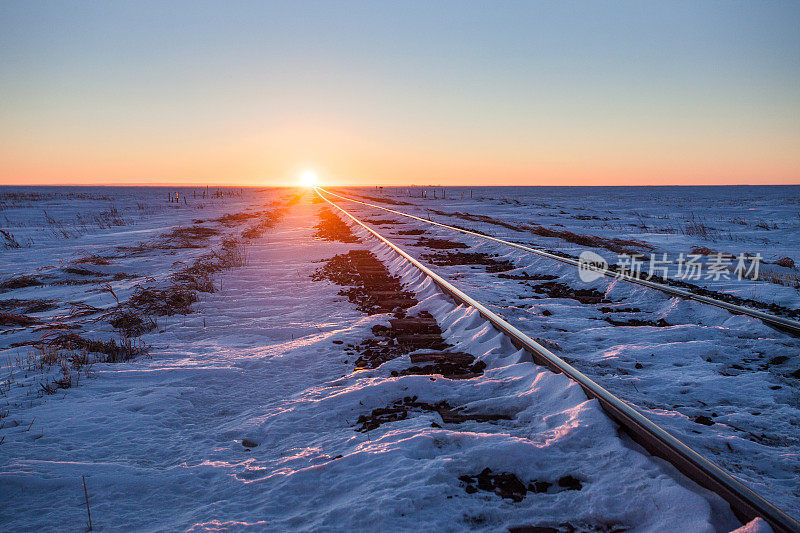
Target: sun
pixel 308 179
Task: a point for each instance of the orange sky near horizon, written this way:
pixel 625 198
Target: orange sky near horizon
pixel 280 157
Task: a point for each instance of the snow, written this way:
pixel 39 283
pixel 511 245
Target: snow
pixel 707 362
pixel 159 439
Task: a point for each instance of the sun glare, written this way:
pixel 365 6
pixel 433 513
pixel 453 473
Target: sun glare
pixel 308 179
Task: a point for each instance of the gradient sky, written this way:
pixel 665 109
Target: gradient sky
pixel 432 92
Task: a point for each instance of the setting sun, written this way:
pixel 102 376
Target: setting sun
pixel 308 179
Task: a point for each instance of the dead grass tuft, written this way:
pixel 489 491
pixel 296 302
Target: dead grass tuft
pixel 266 221
pixel 78 271
pixel 787 279
pixel 8 240
pixel 233 219
pixel 763 224
pixel 703 250
pixel 19 282
pixel 163 302
pixel 179 238
pixel 70 352
pixel 199 275
pixel 620 246
pixel 130 324
pixel 92 259
pixel 17 319
pixel 37 305
pixel 134 317
pixel 79 309
pixel 697 226
pixel 188 237
pixel 126 350
pixel 58 346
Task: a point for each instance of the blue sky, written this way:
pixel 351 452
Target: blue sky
pixel 385 92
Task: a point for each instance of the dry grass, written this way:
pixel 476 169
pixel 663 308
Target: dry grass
pixel 130 323
pixel 70 354
pixel 331 228
pixel 763 224
pixel 79 309
pixel 18 320
pixel 187 237
pixel 266 221
pixel 66 229
pixel 696 226
pixel 620 246
pixel 78 271
pixel 234 253
pixel 8 240
pixel 789 278
pixel 92 259
pixel 135 316
pixel 199 275
pixel 703 250
pixel 63 353
pixel 57 342
pixel 19 282
pixel 177 239
pixel 162 302
pixel 37 305
pixel 236 218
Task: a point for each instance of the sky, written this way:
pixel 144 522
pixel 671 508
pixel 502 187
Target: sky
pixel 400 93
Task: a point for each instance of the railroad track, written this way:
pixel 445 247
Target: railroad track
pixel 786 324
pixel 744 502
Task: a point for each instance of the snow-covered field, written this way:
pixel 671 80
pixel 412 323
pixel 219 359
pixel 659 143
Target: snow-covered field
pixel 237 405
pixel 687 365
pixel 701 221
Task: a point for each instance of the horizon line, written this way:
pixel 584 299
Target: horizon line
pixel 297 186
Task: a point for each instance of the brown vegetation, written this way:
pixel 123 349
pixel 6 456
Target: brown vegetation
pixel 400 409
pixel 331 228
pixel 440 244
pixel 17 319
pixel 92 259
pixel 19 282
pixel 469 258
pixel 37 305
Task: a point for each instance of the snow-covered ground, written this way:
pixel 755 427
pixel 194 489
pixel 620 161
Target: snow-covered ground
pixel 731 221
pixel 726 385
pixel 243 414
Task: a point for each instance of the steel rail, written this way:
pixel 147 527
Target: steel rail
pixel 744 502
pixel 779 321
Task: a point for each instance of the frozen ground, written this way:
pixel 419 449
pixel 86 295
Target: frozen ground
pixel 665 220
pixel 243 415
pixel 726 385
